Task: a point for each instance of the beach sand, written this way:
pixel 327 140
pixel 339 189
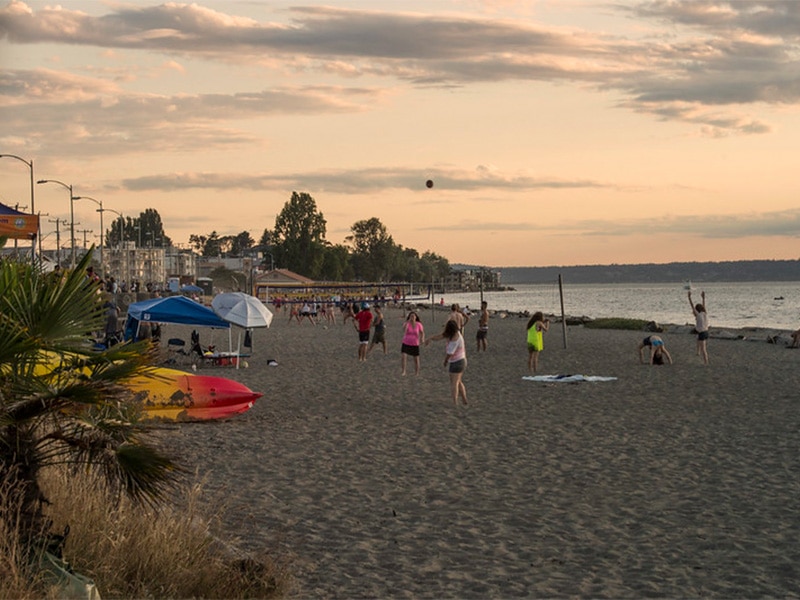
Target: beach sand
pixel 672 481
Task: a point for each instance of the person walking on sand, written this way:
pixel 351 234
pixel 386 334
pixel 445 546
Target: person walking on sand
pixel 294 313
pixel 455 359
pixel 701 325
pixel 657 350
pixel 537 325
pixel 413 337
pixel 459 317
pixel 483 327
pixel 379 336
pixel 362 323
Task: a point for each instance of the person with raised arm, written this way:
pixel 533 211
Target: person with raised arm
pixel 701 325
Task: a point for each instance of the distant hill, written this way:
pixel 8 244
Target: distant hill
pixel 745 270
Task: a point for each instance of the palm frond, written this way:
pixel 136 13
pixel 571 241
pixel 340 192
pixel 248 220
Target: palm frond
pixel 60 401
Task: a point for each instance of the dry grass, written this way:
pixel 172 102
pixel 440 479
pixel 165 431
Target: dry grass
pixel 17 578
pixel 132 551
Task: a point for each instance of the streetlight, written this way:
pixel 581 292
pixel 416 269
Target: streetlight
pixel 71 215
pixel 33 206
pixel 121 236
pixel 101 210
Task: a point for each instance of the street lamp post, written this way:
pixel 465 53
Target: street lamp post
pixel 33 206
pixel 101 210
pixel 71 216
pixel 149 234
pixel 121 237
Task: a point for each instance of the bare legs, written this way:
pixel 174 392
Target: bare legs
pixel 702 350
pixel 533 360
pixel 457 388
pixel 404 359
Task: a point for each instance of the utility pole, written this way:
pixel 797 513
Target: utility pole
pixel 84 232
pixel 58 239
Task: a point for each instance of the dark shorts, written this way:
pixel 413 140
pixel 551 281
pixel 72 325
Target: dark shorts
pixel 363 337
pixel 457 366
pixel 410 350
pixel 379 336
pixel 481 335
pixel 702 335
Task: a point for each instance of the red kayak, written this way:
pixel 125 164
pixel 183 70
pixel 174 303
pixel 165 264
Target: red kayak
pixel 179 396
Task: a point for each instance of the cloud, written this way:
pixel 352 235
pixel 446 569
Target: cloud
pixel 105 121
pixel 359 181
pixel 21 88
pixel 779 18
pixel 721 58
pixel 780 224
pixel 770 224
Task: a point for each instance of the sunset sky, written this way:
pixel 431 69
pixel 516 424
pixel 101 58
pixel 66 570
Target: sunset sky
pixel 556 132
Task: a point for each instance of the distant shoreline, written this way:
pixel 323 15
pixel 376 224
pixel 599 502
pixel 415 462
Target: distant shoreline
pixel 743 271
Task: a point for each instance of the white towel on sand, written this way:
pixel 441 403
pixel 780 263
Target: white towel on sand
pixel 567 378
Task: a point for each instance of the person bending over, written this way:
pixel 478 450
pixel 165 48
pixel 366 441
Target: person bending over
pixel 658 351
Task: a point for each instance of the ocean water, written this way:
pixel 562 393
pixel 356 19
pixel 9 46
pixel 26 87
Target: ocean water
pixel 733 305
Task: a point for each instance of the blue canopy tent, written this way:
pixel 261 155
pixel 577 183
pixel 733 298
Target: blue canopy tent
pixel 173 309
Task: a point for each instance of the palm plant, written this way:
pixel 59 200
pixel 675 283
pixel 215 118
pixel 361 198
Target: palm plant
pixel 61 403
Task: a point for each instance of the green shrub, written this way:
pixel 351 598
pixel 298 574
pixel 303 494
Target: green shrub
pixel 617 323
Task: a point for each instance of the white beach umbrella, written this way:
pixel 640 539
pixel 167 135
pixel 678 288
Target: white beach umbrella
pixel 242 309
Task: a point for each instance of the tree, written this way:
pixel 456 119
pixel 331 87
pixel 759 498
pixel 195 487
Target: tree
pixel 266 238
pixel 264 246
pixel 241 243
pixel 62 403
pixel 408 266
pixel 336 264
pixel 373 250
pixel 198 242
pixel 147 230
pixel 114 233
pixel 210 245
pixel 434 266
pixel 299 236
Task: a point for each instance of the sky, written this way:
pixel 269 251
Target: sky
pixel 556 132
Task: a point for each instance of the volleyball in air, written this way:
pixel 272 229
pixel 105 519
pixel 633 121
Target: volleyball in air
pixel 429 183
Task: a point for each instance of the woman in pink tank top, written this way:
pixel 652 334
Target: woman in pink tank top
pixel 413 338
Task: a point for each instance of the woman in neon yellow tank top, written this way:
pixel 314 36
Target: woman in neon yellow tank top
pixel 537 325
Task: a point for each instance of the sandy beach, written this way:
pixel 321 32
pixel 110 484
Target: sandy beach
pixel 671 481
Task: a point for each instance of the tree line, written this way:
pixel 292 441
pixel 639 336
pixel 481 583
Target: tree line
pixel 297 242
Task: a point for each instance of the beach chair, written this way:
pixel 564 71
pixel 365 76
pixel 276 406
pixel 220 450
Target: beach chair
pixel 177 353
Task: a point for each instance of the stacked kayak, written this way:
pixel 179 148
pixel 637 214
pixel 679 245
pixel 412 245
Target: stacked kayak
pixel 173 395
